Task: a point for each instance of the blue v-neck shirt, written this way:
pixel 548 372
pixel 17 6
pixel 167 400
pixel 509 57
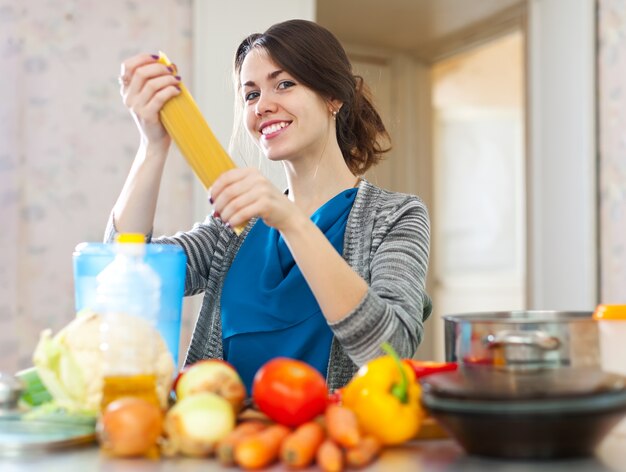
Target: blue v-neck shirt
pixel 268 309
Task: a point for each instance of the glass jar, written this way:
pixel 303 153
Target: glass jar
pixel 612 331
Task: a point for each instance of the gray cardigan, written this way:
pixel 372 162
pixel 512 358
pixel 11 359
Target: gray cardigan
pixel 386 242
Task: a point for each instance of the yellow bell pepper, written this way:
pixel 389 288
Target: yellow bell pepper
pixel 385 396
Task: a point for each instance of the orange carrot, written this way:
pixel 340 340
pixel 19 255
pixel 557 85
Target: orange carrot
pixel 262 448
pixel 329 456
pixel 363 453
pixel 342 425
pixel 299 448
pixel 225 448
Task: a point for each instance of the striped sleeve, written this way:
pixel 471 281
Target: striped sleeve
pixel 396 303
pixel 200 245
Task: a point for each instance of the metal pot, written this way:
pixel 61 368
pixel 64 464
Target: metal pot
pixel 10 390
pixel 523 340
pixel 563 412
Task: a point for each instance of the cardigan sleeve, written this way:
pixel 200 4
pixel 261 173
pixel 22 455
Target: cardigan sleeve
pixel 396 304
pixel 199 245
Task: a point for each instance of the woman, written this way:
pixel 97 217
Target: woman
pixel 324 272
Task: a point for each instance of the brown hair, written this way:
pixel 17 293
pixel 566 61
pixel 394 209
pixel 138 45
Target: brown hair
pixel 314 56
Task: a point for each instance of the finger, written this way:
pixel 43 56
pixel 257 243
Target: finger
pixel 241 204
pixel 153 107
pixel 235 187
pixel 255 209
pixel 151 88
pixel 128 67
pixel 246 198
pixel 144 74
pixel 225 180
pixel 149 113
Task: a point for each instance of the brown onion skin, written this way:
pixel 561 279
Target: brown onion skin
pixel 215 376
pixel 130 427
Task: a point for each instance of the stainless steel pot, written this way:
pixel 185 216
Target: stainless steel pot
pixel 547 413
pixel 523 340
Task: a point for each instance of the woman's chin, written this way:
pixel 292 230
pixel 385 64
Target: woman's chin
pixel 273 156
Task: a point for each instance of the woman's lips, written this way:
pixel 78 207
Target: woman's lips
pixel 271 129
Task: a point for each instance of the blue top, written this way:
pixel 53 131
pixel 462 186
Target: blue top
pixel 268 309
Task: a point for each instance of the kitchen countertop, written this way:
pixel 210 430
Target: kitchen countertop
pixel 423 456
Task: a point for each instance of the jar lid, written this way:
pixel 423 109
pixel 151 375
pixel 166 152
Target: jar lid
pixel 560 383
pixel 610 313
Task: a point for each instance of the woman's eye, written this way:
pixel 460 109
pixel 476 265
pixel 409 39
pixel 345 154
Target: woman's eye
pixel 250 96
pixel 285 84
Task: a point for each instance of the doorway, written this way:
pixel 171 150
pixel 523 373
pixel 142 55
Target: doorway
pixel 479 225
pixel 458 132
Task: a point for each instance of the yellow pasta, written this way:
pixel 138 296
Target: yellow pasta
pixel 184 122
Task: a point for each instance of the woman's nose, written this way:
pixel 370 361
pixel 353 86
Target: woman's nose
pixel 265 105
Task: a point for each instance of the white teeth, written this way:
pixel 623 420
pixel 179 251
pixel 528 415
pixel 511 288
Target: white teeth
pixel 275 127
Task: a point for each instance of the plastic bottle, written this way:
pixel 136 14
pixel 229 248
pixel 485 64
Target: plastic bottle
pixel 127 298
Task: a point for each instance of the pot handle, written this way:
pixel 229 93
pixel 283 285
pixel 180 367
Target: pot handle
pixel 538 339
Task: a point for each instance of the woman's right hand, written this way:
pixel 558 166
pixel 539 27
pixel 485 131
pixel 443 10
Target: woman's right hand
pixel 145 86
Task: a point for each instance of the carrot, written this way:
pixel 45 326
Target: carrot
pixel 342 425
pixel 299 448
pixel 225 448
pixel 329 456
pixel 262 448
pixel 363 453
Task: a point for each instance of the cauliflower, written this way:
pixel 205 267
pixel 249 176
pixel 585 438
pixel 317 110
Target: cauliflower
pixel 70 364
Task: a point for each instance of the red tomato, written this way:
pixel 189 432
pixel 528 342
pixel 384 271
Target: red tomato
pixel 289 391
pixel 424 368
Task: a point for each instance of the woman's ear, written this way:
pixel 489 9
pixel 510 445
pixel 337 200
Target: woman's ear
pixel 334 106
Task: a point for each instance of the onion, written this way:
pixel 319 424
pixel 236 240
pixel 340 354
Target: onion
pixel 130 426
pixel 212 375
pixel 196 423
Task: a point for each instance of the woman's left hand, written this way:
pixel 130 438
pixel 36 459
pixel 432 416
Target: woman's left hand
pixel 241 194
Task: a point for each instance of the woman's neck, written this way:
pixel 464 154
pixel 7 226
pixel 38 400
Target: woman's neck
pixel 310 186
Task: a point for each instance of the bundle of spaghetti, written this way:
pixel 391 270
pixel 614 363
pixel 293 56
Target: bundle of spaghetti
pixel 184 122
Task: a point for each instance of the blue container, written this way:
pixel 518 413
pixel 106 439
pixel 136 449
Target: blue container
pixel 167 260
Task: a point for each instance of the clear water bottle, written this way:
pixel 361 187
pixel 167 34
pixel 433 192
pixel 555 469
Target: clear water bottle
pixel 127 298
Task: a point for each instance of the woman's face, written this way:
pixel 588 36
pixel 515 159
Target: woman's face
pixel 287 120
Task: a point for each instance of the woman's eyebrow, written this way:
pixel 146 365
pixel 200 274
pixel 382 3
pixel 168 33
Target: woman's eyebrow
pixel 270 76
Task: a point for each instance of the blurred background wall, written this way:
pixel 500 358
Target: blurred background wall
pixel 67 142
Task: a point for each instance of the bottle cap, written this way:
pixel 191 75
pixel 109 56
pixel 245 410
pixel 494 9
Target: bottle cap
pixel 131 238
pixel 610 313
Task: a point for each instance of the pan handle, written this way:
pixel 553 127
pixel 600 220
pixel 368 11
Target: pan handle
pixel 533 339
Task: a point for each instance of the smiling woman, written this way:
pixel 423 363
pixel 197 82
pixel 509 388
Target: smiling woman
pixel 324 272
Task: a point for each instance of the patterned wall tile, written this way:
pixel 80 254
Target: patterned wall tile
pixel 612 144
pixel 67 143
